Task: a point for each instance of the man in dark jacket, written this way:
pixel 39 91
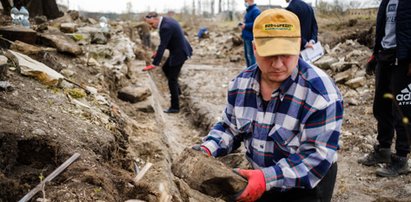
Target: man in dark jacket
pixel 392 99
pixel 173 39
pixel 308 23
pixel 247 30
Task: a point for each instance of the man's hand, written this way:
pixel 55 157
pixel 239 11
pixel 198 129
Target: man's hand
pixel 255 187
pixel 154 55
pixel 149 67
pixel 309 45
pixel 201 148
pixel 371 64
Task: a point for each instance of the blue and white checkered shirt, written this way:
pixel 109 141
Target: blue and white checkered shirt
pixel 293 141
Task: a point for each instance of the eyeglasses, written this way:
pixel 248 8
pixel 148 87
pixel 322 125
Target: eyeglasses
pixel 149 16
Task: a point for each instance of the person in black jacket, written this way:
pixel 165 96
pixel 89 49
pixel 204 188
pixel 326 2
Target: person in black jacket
pixel 171 38
pixel 392 99
pixel 308 23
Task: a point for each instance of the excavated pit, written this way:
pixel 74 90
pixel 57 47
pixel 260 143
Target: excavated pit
pixel 22 164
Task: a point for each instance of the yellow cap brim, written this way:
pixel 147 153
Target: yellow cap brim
pixel 277 46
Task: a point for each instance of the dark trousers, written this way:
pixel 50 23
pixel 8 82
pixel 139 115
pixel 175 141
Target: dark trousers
pixel 249 52
pixel 392 79
pixel 172 73
pixel 321 193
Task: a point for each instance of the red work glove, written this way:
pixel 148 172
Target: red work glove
pixel 149 67
pixel 255 187
pixel 154 55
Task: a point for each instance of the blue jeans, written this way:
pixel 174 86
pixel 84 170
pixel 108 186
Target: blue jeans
pixel 249 52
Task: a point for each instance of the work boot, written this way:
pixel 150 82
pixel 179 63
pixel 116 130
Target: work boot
pixel 378 155
pixel 398 166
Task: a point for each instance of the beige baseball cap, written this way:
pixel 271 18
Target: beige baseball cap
pixel 277 32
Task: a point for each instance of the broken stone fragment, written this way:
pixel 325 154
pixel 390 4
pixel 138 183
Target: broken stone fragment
pixel 62 42
pixel 325 62
pixel 207 175
pixel 68 27
pixel 18 33
pixel 6 86
pixel 28 49
pixel 3 67
pixel 133 94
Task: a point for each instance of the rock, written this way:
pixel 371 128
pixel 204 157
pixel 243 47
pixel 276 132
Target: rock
pixel 38 70
pixel 13 33
pixel 133 94
pixel 68 27
pixel 356 82
pixel 342 76
pixel 325 62
pixel 3 67
pixel 92 21
pixel 28 49
pixel 73 14
pixel 67 72
pixel 62 42
pixel 99 38
pixel 207 174
pixel 92 62
pixel 193 195
pixel 40 19
pixel 237 41
pixel 341 66
pixel 235 58
pixel 6 86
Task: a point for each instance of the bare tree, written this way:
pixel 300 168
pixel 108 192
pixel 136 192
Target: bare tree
pixel 220 6
pixel 194 7
pixel 212 7
pixel 129 10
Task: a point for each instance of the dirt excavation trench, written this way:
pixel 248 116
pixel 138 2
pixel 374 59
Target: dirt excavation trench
pixel 202 104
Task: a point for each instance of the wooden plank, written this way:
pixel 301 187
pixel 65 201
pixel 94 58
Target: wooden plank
pixel 142 172
pixel 50 177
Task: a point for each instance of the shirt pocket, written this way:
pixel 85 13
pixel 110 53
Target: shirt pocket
pixel 244 125
pixel 286 140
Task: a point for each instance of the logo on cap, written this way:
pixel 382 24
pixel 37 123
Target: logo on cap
pixel 283 26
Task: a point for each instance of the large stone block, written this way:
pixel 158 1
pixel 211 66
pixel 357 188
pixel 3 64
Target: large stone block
pixel 207 174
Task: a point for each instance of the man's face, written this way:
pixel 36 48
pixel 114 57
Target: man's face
pixel 153 22
pixel 276 69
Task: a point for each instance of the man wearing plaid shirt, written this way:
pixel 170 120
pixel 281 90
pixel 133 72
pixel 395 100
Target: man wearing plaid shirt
pixel 287 113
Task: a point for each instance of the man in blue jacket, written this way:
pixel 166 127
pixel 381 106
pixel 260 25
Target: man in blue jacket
pixel 392 99
pixel 171 38
pixel 309 28
pixel 247 30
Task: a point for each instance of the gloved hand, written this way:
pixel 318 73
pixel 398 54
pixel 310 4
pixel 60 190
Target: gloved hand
pixel 149 67
pixel 371 64
pixel 154 55
pixel 255 187
pixel 201 148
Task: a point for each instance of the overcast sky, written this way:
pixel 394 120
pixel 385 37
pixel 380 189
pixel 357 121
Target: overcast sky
pixel 119 6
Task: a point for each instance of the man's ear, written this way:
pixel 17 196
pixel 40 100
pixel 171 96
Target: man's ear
pixel 254 48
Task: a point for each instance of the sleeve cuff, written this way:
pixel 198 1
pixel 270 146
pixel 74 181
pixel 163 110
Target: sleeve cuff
pixel 272 177
pixel 211 146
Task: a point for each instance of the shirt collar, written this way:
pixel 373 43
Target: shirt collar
pixel 159 23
